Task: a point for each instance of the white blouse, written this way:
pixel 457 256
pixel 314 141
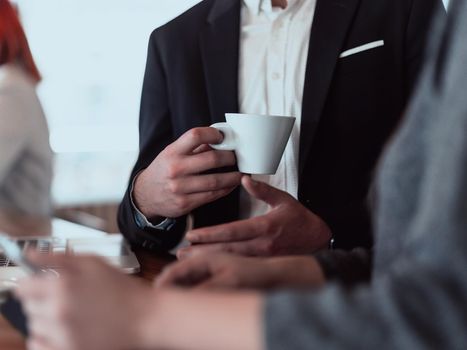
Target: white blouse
pixel 25 153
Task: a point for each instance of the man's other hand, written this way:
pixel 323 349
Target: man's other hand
pixel 288 228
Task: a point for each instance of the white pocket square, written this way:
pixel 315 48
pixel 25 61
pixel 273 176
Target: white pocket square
pixel 362 48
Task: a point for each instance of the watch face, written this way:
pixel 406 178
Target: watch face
pixel 169 224
pixel 139 219
pixel 143 223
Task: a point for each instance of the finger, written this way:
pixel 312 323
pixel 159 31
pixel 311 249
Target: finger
pixel 37 308
pixel 247 248
pixel 236 231
pixel 264 192
pixel 217 282
pixel 195 200
pixel 184 273
pixel 51 335
pixel 57 260
pixel 37 343
pixel 205 161
pixel 68 265
pixel 32 288
pixel 206 183
pixel 202 149
pixel 196 137
pixel 41 327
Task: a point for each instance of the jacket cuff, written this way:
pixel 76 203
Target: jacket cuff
pixel 162 235
pixel 347 267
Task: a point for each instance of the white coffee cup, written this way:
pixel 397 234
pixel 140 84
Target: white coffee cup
pixel 258 141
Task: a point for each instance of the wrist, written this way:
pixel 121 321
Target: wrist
pixel 142 328
pixel 138 196
pixel 314 274
pixel 296 272
pixel 161 325
pixel 149 325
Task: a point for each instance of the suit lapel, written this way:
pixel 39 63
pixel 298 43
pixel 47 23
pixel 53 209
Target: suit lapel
pixel 219 43
pixel 330 26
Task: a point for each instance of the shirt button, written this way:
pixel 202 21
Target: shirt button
pixel 276 76
pixel 280 25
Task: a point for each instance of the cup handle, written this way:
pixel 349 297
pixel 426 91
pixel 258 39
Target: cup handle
pixel 228 143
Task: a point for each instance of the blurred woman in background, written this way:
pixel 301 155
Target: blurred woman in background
pixel 25 153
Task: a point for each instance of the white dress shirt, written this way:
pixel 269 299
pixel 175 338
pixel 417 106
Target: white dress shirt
pixel 273 56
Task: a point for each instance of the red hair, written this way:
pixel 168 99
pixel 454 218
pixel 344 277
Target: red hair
pixel 14 46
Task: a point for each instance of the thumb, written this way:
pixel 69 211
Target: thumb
pixel 216 282
pixel 264 192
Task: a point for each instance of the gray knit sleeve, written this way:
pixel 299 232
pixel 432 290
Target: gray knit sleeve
pixel 419 309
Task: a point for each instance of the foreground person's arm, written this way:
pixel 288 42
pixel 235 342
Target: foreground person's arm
pixel 204 321
pixel 93 306
pixel 416 306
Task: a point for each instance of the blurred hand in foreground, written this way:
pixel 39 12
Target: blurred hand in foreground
pixel 91 306
pixel 221 271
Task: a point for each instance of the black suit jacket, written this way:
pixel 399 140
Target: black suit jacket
pixel 350 106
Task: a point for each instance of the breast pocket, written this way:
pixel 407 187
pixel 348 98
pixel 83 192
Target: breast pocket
pixel 366 57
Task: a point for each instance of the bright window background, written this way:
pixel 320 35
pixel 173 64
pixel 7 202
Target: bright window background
pixel 92 55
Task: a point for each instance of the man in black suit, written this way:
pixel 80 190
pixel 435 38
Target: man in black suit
pixel 361 66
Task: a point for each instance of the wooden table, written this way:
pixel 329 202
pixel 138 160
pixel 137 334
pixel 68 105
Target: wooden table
pixel 151 266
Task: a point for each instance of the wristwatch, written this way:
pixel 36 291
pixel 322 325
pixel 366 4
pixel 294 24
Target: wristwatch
pixel 143 223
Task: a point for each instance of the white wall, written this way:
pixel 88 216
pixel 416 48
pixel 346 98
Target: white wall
pixel 92 55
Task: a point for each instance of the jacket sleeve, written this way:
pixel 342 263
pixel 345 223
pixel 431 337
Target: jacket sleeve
pixel 349 268
pixel 416 37
pixel 419 308
pixel 155 130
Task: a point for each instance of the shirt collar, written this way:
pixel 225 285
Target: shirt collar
pixel 265 6
pixel 257 6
